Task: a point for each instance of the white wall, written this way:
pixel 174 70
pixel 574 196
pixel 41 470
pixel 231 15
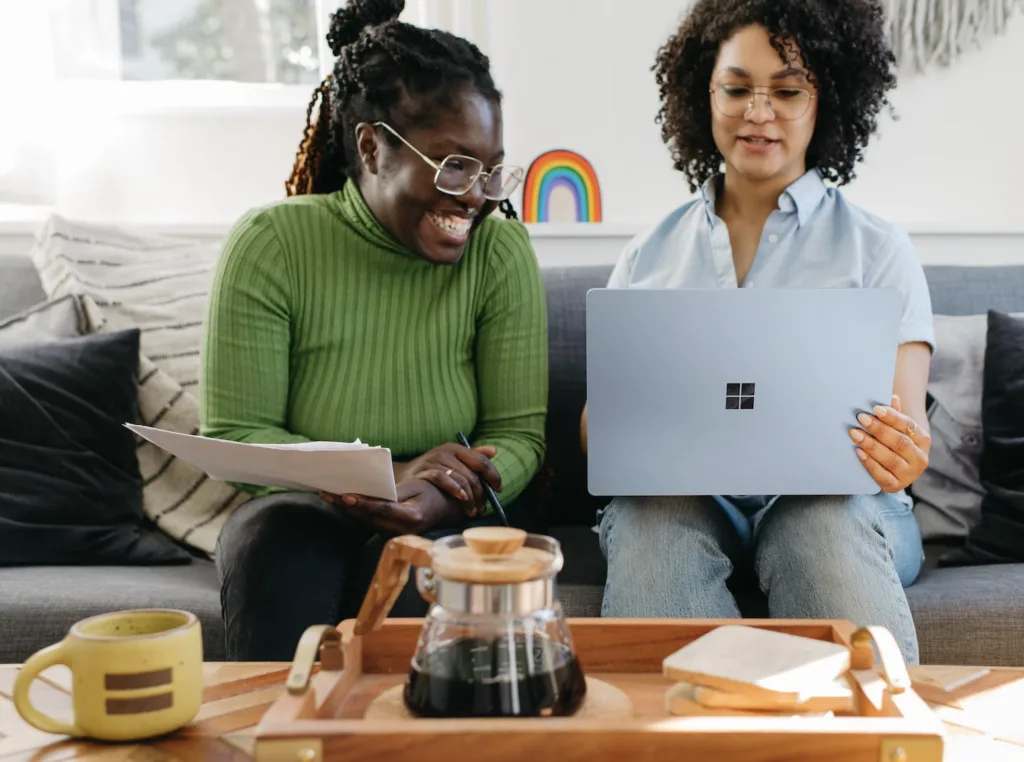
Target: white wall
pixel 953 160
pixel 576 75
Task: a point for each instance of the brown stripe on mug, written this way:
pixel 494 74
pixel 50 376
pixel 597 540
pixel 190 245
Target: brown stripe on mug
pixel 129 681
pixel 140 705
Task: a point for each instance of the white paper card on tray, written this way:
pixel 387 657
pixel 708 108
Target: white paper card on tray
pixel 755 660
pixel 336 467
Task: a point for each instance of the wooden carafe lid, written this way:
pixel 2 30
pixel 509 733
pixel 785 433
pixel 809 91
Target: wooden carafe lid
pixel 492 555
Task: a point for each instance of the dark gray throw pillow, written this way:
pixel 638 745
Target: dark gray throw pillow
pixel 70 490
pixel 999 535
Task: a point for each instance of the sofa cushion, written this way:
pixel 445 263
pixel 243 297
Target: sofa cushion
pixel 59 319
pixel 159 285
pixel 998 537
pixel 975 289
pixel 70 491
pixel 970 615
pixel 569 502
pixel 19 285
pixel 40 604
pixel 948 494
pixel 155 283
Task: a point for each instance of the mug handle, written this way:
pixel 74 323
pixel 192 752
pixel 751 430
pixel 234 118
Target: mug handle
pixel 37 662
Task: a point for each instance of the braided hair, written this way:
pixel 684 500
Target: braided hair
pixel 385 70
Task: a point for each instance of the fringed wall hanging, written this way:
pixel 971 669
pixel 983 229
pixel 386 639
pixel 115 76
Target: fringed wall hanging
pixel 929 33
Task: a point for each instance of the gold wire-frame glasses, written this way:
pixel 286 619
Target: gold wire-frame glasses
pixel 457 174
pixel 786 103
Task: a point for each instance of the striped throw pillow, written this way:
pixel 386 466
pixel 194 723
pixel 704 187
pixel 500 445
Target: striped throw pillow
pixel 159 285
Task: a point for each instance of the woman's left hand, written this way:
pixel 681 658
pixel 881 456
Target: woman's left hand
pixel 892 446
pixel 420 507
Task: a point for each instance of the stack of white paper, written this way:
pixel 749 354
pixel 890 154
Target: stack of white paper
pixel 336 467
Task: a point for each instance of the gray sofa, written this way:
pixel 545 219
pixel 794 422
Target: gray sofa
pixel 972 615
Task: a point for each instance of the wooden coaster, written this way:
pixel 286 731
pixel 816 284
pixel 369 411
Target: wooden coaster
pixel 681 701
pixel 602 700
pixel 836 696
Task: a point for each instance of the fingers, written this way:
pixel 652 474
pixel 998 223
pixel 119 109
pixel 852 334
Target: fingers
pixel 481 464
pixel 449 480
pixel 893 448
pixel 890 460
pixel 900 422
pixel 383 515
pixel 883 477
pixel 452 483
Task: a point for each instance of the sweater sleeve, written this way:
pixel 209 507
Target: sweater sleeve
pixel 512 361
pixel 246 344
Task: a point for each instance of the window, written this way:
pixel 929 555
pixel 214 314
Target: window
pixel 739 396
pixel 234 40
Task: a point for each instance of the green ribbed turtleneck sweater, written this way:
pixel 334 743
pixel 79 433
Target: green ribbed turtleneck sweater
pixel 322 326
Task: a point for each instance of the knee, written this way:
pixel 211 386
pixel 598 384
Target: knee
pixel 660 532
pixel 815 537
pixel 266 528
pixel 819 522
pixel 637 524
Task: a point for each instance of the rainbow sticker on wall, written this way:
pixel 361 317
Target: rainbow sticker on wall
pixel 561 186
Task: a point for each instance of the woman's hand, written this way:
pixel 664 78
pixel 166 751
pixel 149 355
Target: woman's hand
pixel 892 446
pixel 459 471
pixel 419 508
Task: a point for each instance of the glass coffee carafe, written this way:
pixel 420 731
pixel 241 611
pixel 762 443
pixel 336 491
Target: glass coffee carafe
pixel 494 642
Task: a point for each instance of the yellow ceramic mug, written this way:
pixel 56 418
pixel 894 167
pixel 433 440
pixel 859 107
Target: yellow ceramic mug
pixel 135 674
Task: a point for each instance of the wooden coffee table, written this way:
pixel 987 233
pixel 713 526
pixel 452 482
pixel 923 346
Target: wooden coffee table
pixel 982 710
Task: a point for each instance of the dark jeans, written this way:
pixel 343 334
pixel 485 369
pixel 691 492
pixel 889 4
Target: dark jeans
pixel 288 561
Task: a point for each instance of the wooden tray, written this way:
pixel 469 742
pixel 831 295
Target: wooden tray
pixel 320 717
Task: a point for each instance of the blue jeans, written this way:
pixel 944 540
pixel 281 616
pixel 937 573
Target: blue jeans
pixel 814 558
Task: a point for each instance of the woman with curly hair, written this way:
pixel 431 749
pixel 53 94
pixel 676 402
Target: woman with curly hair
pixel 382 301
pixel 763 102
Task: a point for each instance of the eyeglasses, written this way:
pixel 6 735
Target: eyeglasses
pixel 786 103
pixel 457 175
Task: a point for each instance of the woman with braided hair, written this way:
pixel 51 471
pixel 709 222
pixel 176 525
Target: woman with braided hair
pixel 382 301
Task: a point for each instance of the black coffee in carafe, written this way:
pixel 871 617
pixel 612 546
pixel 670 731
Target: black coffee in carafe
pixel 493 677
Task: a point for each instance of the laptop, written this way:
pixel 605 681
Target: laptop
pixel 734 391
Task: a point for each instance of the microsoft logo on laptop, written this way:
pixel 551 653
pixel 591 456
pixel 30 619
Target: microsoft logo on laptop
pixel 739 396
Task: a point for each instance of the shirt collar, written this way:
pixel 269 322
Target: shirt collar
pixel 802 196
pixel 352 206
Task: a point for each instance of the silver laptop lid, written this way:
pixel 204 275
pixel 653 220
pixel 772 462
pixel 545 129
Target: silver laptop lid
pixel 734 391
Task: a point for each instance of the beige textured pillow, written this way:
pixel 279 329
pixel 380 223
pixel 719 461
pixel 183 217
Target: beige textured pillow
pixel 159 285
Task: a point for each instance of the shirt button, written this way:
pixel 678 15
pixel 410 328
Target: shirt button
pixel 773 238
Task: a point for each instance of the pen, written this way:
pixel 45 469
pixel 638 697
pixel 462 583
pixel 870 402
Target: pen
pixel 487 487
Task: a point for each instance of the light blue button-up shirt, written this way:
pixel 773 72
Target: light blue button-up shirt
pixel 814 239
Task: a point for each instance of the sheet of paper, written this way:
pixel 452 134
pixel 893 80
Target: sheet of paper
pixel 337 467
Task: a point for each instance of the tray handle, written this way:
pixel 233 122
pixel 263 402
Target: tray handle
pixel 893 668
pixel 319 640
pixel 390 577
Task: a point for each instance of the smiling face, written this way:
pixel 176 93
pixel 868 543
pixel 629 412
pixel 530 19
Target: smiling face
pixel 761 142
pixel 398 184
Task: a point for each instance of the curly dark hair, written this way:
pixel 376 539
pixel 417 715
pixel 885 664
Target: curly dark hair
pixel 842 43
pixel 385 70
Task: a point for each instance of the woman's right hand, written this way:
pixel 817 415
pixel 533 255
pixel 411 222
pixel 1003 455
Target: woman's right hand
pixel 459 471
